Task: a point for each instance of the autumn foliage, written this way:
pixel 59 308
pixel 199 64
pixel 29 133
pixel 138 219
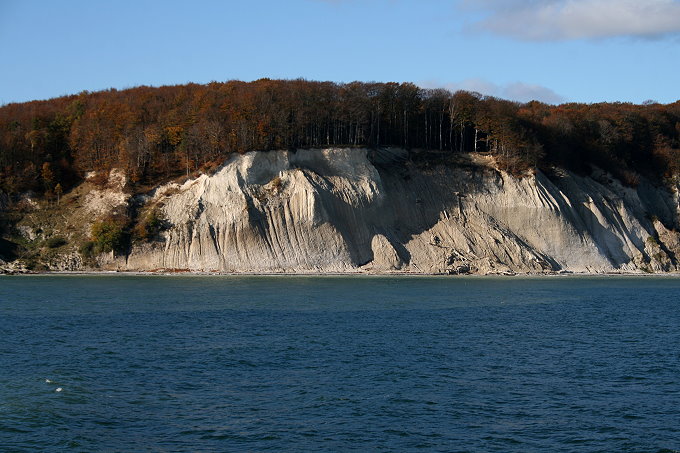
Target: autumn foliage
pixel 158 133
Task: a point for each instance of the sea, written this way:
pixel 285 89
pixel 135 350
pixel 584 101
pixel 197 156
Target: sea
pixel 116 363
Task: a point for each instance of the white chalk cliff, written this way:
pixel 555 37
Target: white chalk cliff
pixel 358 210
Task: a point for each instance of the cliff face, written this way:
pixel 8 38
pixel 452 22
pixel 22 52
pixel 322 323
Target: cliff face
pixel 353 210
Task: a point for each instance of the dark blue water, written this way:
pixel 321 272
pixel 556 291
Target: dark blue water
pixel 170 364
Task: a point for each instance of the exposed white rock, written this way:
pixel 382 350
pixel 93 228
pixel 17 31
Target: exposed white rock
pixel 337 210
pixel 102 202
pixel 385 256
pixel 65 262
pixel 27 232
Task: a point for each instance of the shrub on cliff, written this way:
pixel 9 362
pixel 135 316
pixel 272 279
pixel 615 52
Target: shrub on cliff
pixel 109 235
pixel 55 242
pixel 87 249
pixel 149 226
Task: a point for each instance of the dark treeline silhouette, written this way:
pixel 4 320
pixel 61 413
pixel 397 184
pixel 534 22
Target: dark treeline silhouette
pixel 158 133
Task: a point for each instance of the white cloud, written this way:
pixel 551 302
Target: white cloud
pixel 553 20
pixel 517 91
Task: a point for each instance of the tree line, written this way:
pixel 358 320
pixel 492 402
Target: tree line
pixel 155 133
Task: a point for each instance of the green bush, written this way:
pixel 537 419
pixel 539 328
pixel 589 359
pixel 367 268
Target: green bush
pixel 55 242
pixel 109 235
pixel 150 225
pixel 87 249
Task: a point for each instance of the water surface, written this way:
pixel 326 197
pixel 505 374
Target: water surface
pixel 172 364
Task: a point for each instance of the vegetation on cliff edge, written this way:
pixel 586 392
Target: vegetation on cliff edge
pixel 158 133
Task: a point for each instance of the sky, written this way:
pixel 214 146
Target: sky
pixel 554 51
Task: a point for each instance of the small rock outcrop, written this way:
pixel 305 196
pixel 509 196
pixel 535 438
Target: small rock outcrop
pixel 385 256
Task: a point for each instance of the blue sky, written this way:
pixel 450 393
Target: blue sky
pixel 551 50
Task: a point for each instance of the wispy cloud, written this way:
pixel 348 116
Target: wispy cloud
pixel 517 91
pixel 554 20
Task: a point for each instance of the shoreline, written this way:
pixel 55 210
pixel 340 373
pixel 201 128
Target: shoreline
pixel 190 273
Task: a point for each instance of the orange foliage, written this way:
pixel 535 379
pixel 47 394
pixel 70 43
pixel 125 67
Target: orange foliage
pixel 160 133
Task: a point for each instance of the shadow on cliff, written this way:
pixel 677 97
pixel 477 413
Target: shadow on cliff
pixel 416 193
pixel 608 244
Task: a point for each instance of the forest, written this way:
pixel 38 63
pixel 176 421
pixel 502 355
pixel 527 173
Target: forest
pixel 157 133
